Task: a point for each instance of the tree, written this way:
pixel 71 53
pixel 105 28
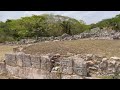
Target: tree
pixel 66 26
pixel 41 26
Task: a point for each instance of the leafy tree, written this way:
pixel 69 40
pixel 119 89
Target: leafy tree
pixel 40 26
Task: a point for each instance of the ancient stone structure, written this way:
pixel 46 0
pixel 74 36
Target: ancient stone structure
pixel 95 33
pixel 51 66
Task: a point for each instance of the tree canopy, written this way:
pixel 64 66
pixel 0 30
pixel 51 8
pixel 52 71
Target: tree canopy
pixel 40 26
pixel 112 23
pixel 49 25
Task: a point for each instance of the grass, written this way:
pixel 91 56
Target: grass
pixel 103 47
pixel 105 77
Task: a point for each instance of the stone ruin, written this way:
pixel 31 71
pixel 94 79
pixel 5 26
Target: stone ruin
pixel 93 34
pixel 55 66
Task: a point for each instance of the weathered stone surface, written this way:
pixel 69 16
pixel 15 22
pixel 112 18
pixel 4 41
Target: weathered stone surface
pixel 36 73
pixel 66 66
pixel 104 64
pixel 92 78
pixel 64 35
pixel 93 68
pixel 3 68
pixel 58 67
pixel 27 61
pixel 117 67
pixel 46 63
pixel 115 58
pixel 67 62
pixel 98 57
pixel 115 37
pixel 104 60
pixel 90 63
pixel 10 59
pixel 76 77
pixel 111 67
pixel 19 59
pixel 26 72
pixel 65 76
pixel 89 57
pixel 36 61
pixel 33 73
pixel 67 70
pixel 12 70
pixel 80 67
pixel 44 74
pixel 82 71
pixel 54 57
pixel 54 75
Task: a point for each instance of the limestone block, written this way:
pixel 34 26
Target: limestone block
pixel 117 67
pixel 66 66
pixel 29 73
pixel 37 74
pixel 46 63
pixel 12 70
pixel 19 59
pixel 104 64
pixel 27 61
pixel 36 61
pixel 3 68
pixel 23 72
pixel 80 67
pixel 111 67
pixel 10 59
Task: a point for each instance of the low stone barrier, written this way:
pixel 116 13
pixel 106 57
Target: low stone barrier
pixel 79 66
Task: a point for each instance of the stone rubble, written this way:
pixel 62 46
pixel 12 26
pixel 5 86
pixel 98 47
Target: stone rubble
pixel 93 34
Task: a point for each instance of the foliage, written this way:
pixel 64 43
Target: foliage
pixel 112 23
pixel 40 26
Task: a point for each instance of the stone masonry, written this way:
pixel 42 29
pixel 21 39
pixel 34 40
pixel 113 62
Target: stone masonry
pixel 79 66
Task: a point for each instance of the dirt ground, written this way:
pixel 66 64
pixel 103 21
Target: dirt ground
pixel 103 47
pixel 5 49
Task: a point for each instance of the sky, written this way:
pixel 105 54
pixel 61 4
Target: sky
pixel 87 16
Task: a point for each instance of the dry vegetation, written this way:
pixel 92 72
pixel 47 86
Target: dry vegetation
pixel 5 49
pixel 103 47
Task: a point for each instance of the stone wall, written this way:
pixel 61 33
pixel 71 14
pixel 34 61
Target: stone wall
pixel 42 67
pixel 92 34
pixel 79 66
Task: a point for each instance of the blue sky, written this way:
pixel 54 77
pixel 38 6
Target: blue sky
pixel 87 16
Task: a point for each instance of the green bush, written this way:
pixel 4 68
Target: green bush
pixel 3 39
pixel 40 26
